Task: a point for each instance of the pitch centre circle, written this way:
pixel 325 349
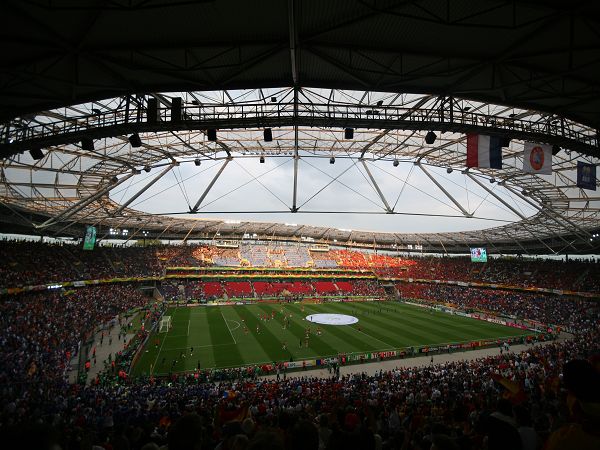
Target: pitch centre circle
pixel 332 319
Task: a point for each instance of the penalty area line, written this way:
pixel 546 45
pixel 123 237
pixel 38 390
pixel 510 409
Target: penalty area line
pixel 157 355
pixel 227 325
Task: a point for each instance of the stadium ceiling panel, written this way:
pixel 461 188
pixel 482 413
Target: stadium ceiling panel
pixel 80 82
pixel 540 55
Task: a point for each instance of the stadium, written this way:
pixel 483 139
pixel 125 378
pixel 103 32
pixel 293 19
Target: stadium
pixel 299 225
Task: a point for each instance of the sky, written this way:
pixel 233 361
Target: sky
pixel 246 186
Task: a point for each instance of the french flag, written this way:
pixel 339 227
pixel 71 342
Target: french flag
pixel 484 151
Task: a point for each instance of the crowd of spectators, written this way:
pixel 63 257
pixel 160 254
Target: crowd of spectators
pixel 516 401
pixel 215 290
pixel 26 263
pixel 545 308
pixel 32 263
pixel 41 332
pixel 503 401
pixel 575 275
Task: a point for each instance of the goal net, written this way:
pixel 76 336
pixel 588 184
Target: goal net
pixel 165 324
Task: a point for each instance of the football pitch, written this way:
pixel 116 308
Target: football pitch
pixel 227 336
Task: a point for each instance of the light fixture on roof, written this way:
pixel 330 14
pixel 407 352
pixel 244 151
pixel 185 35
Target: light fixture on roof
pixel 273 99
pixel 87 144
pixel 332 160
pixel 348 133
pixel 449 170
pixel 268 135
pixel 147 169
pixel 36 153
pixel 430 137
pixel 396 162
pixel 211 134
pixel 262 159
pixel 197 161
pixel 135 140
pixel 492 180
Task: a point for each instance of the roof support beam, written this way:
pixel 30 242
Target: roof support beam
pixel 188 233
pixel 296 157
pixel 381 196
pixel 496 196
pixel 85 202
pixel 210 185
pixel 549 212
pixel 293 40
pixel 518 213
pixel 441 188
pixel 145 188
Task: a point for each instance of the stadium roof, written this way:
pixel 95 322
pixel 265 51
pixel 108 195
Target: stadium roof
pixel 74 71
pixel 541 55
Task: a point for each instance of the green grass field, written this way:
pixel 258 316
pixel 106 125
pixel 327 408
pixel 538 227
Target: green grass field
pixel 218 337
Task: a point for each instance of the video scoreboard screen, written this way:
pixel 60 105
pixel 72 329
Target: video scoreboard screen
pixel 89 241
pixel 478 254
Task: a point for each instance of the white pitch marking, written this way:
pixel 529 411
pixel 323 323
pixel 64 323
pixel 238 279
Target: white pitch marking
pixel 157 355
pixel 234 321
pixel 227 325
pixel 188 332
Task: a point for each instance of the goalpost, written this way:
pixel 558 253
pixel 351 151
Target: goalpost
pixel 165 324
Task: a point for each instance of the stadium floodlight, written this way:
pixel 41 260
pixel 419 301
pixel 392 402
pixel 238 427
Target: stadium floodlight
pixel 197 162
pixel 449 170
pixel 87 144
pixel 135 140
pixel 492 180
pixel 348 133
pixel 430 137
pixel 147 169
pixel 396 162
pixel 332 160
pixel 268 135
pixel 262 159
pixel 36 153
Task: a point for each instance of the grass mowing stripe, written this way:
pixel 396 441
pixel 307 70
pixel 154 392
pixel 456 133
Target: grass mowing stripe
pixel 382 327
pixel 220 333
pixel 349 334
pixel 268 342
pixel 250 348
pixel 466 328
pixel 396 334
pixel 315 343
pixel 435 331
pixel 390 328
pixel 219 339
pixel 295 332
pixel 472 327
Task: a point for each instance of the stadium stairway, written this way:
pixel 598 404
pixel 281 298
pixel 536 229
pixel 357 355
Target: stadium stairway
pixel 102 351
